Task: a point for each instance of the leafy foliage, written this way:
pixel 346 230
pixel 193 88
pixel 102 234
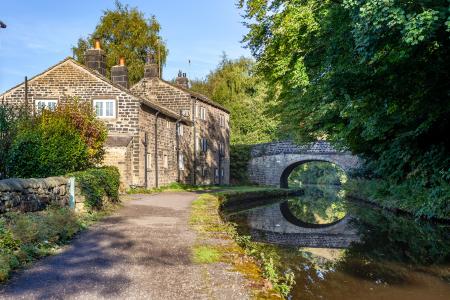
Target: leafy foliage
pixel 57 142
pixel 25 237
pixel 323 173
pixel 98 185
pixel 239 158
pixel 10 118
pixel 235 86
pixel 369 75
pixel 125 32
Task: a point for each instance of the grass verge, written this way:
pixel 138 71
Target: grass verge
pixel 219 241
pixel 177 187
pixel 26 237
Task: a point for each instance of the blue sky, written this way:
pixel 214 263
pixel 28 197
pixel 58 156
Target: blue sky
pixel 41 33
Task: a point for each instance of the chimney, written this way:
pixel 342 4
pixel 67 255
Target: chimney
pixel 151 68
pixel 95 58
pixel 182 80
pixel 119 73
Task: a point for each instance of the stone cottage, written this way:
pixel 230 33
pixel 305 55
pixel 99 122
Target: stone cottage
pixel 158 132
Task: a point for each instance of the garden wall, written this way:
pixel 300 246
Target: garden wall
pixel 27 195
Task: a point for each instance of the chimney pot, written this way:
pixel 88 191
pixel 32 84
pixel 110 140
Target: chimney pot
pixel 182 80
pixel 122 61
pixel 97 45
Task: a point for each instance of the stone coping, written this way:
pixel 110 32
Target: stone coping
pixel 18 184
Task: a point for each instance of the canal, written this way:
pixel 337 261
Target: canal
pixel 338 248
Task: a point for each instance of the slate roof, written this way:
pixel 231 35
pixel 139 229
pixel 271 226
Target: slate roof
pixel 142 100
pixel 198 96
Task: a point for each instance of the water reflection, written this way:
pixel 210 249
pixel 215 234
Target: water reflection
pixel 381 255
pixel 318 207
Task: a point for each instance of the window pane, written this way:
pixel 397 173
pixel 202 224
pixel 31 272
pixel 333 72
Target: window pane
pixel 99 109
pixel 51 105
pixel 109 109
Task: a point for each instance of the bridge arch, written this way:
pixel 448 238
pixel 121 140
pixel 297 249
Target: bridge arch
pixel 288 170
pixel 271 163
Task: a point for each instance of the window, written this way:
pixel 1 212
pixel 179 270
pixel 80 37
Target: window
pixel 216 172
pixel 167 124
pixel 185 112
pixel 202 113
pixel 222 173
pixel 221 148
pixel 48 104
pixel 105 108
pixel 205 172
pixel 166 161
pixel 180 129
pixel 204 145
pixel 149 161
pixel 181 161
pixel 222 120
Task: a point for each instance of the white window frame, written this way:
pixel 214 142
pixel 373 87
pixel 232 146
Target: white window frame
pixel 49 104
pixel 181 161
pixel 104 101
pixel 167 124
pixel 222 120
pixel 202 113
pixel 185 113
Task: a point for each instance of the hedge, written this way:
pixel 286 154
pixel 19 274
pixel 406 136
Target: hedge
pixel 98 185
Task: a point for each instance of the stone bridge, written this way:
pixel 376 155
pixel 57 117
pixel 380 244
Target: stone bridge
pixel 271 163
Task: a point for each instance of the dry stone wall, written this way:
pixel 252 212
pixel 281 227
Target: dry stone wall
pixel 26 195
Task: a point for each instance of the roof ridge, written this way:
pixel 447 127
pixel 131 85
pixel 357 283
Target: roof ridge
pixel 197 95
pixel 145 101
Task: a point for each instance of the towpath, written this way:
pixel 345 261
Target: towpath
pixel 141 252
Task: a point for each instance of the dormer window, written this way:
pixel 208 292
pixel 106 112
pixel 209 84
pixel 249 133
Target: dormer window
pixel 105 108
pixel 45 103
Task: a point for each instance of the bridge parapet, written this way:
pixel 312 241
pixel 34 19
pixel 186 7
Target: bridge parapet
pixel 271 163
pixel 288 147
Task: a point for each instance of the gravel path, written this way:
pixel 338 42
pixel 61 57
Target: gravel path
pixel 141 252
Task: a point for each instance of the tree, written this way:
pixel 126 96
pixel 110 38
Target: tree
pixel 369 75
pixel 125 32
pixel 234 85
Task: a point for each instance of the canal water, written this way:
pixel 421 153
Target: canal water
pixel 341 249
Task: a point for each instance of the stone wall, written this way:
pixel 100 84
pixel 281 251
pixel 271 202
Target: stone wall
pixel 27 195
pixel 271 163
pixel 181 100
pixel 67 81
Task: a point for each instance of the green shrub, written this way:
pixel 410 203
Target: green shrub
pixel 10 118
pixel 48 149
pixel 97 185
pixel 56 142
pixel 410 196
pixel 239 158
